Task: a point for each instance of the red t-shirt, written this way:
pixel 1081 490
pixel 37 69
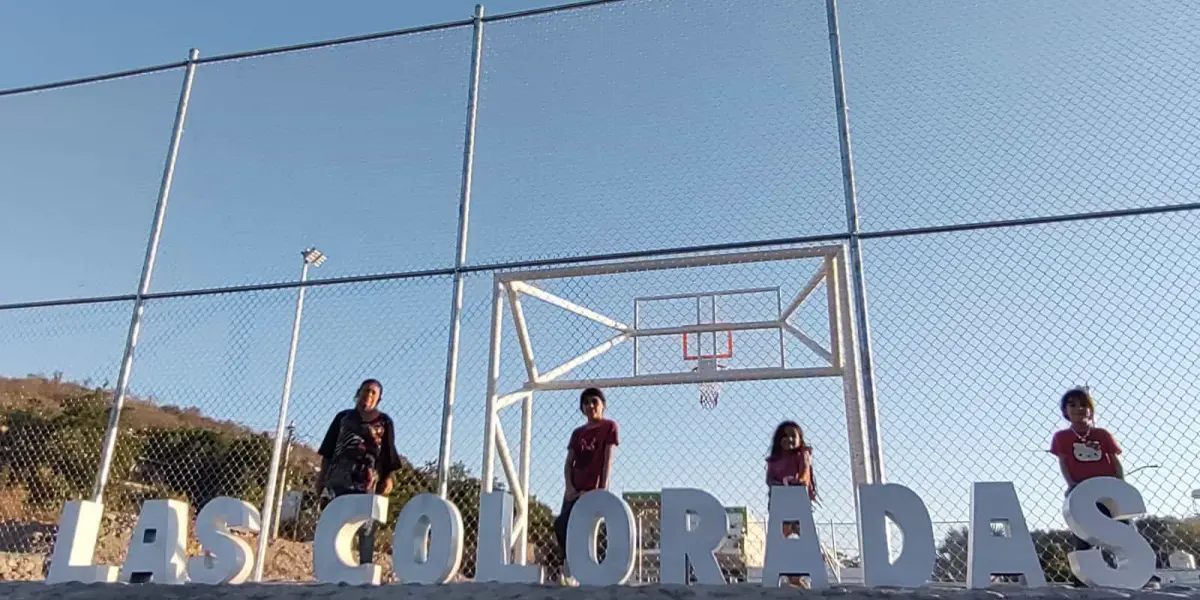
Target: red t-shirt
pixel 591 443
pixel 1088 455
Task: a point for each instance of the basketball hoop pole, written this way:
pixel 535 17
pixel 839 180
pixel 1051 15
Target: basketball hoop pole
pixel 857 285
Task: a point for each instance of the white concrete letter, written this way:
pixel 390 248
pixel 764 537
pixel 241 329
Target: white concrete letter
pixel 75 546
pixel 693 525
pixel 800 556
pixel 493 550
pixel 431 528
pixel 334 559
pixel 582 530
pixel 913 568
pixel 158 548
pixel 995 502
pixel 1135 557
pixel 228 558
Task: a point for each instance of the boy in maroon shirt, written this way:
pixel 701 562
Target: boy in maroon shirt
pixel 589 459
pixel 1084 451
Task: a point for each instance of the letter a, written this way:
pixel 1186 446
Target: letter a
pixel 990 554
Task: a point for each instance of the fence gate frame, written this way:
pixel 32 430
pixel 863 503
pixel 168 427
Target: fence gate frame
pixel 513 285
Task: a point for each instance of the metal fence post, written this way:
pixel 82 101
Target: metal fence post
pixel 460 257
pixel 858 286
pixel 108 450
pixel 312 257
pixel 283 478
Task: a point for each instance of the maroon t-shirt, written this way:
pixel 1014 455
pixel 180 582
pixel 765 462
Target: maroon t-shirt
pixel 1088 455
pixel 591 443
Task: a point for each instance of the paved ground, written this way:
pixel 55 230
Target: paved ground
pixel 41 591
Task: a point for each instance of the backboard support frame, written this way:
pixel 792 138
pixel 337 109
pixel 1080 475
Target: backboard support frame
pixel 840 357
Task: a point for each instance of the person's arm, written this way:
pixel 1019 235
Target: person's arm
pixel 608 458
pixel 390 458
pixel 570 486
pixel 1060 447
pixel 610 448
pixel 328 446
pixel 1062 467
pixel 804 473
pixel 1108 444
pixel 384 487
pixel 773 478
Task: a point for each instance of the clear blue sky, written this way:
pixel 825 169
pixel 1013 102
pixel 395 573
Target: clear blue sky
pixel 634 126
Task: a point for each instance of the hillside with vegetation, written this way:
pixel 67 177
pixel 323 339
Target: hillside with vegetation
pixel 51 432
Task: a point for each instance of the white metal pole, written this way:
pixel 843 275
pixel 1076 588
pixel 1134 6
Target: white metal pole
pixel 460 258
pixel 487 473
pixel 857 283
pixel 526 465
pixel 283 478
pixel 108 450
pixel 268 512
pixel 782 343
pixel 860 459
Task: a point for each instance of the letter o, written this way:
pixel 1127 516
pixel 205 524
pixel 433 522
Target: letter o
pixel 582 529
pixel 424 514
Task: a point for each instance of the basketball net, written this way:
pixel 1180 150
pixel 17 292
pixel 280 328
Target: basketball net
pixel 710 391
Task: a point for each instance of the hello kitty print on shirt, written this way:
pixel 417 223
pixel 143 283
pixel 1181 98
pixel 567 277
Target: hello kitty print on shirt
pixel 1088 453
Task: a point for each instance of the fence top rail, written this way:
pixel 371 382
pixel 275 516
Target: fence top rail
pixel 326 43
pixel 683 262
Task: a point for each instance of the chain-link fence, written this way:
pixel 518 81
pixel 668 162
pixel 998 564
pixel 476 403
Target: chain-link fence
pixel 1025 184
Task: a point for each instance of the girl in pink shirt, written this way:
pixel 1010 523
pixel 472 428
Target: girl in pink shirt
pixel 790 463
pixel 790 460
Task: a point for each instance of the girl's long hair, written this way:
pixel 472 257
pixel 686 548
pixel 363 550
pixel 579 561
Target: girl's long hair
pixel 777 439
pixel 777 452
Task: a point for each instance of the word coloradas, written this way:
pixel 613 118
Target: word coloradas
pixel 428 539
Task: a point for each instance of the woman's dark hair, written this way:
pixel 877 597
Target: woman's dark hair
pixel 374 382
pixel 1073 394
pixel 777 439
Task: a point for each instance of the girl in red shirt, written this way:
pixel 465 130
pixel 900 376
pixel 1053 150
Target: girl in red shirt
pixel 1084 451
pixel 790 463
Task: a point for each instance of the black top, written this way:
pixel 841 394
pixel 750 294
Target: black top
pixel 360 453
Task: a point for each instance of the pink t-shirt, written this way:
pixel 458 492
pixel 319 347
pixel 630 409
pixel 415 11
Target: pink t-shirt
pixel 790 468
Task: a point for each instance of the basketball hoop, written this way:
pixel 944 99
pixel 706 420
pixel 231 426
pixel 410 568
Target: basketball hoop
pixel 710 391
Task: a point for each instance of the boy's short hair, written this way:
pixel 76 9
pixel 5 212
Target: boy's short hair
pixel 1076 393
pixel 593 393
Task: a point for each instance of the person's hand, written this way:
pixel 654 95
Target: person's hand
pixel 385 487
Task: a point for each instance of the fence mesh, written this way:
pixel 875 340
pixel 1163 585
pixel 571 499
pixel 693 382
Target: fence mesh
pixel 641 125
pixel 59 365
pixel 627 127
pixel 1094 304
pixel 985 110
pixel 77 223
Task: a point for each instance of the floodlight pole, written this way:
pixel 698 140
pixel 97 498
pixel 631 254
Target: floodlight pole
pixel 460 259
pixel 857 284
pixel 108 449
pixel 312 257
